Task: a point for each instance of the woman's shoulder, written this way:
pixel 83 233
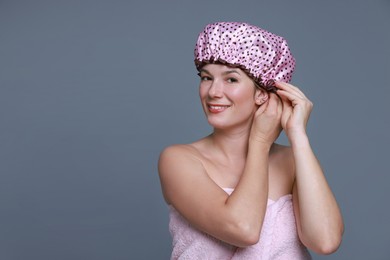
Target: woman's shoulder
pixel 282 155
pixel 280 150
pixel 193 149
pixel 179 166
pixel 180 150
pixel 281 170
pixel 186 153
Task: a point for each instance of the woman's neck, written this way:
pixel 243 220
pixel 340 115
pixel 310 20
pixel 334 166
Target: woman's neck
pixel 233 145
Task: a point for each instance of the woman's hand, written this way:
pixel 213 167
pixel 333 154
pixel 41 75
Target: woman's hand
pixel 296 109
pixel 266 125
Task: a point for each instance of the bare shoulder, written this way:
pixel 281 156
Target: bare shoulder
pixel 282 170
pixel 178 152
pixel 179 168
pixel 281 153
pixel 176 148
pixel 188 152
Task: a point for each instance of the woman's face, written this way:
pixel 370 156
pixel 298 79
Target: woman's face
pixel 228 96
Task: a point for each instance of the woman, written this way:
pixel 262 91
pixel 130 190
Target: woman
pixel 235 194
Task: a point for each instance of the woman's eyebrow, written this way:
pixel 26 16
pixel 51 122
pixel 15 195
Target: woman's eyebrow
pixel 230 71
pixel 223 73
pixel 204 70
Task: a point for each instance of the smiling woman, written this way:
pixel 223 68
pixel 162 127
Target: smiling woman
pixel 225 93
pixel 236 194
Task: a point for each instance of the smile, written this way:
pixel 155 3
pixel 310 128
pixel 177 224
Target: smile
pixel 217 108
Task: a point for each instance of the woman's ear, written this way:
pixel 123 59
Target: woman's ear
pixel 261 96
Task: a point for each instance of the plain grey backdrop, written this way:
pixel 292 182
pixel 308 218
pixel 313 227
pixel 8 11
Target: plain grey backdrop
pixel 92 91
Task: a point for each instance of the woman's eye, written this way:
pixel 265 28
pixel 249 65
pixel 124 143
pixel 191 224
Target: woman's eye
pixel 203 77
pixel 232 80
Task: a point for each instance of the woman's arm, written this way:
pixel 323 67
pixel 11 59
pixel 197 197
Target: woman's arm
pixel 319 220
pixel 236 219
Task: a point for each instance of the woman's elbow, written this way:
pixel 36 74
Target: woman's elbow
pixel 329 246
pixel 241 231
pixel 249 240
pixel 247 236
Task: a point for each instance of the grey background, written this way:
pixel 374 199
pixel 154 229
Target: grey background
pixel 91 91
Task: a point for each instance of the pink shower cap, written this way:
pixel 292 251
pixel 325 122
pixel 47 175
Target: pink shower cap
pixel 264 56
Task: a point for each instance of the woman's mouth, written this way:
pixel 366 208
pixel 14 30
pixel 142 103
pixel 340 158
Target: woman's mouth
pixel 217 108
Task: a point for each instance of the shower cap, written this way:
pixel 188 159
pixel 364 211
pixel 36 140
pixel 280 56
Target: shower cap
pixel 264 56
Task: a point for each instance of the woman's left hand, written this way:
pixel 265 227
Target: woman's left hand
pixel 296 108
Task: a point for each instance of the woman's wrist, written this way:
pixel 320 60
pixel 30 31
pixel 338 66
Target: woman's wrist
pixel 259 144
pixel 262 140
pixel 298 138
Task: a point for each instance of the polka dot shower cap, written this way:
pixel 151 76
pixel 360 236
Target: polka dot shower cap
pixel 264 56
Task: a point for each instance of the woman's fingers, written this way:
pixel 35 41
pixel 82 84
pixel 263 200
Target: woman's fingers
pixel 266 125
pixel 286 104
pixel 291 97
pixel 293 94
pixel 275 105
pixel 289 88
pixel 271 105
pixel 273 100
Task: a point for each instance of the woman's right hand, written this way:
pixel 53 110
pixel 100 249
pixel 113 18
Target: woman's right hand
pixel 266 125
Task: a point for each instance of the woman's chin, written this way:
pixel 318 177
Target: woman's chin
pixel 218 123
pixel 226 125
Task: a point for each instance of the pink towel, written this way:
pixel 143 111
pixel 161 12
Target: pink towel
pixel 278 240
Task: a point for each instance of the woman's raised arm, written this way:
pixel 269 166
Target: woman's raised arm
pixel 318 217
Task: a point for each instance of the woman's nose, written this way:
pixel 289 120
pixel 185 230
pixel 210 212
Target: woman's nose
pixel 216 89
